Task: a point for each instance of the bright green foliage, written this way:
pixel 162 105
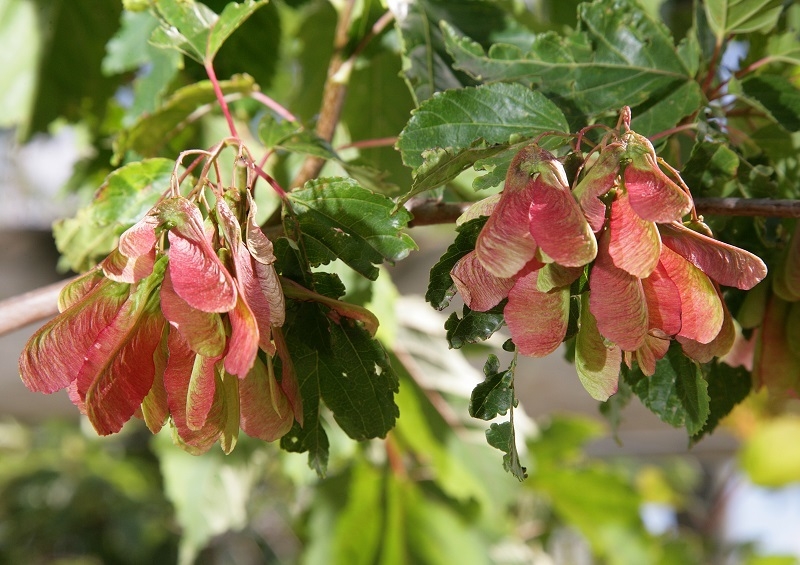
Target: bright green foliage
pixel 148 135
pixel 339 219
pixel 125 196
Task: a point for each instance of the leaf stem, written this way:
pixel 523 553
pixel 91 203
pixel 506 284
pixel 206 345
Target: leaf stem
pixel 670 131
pixel 273 105
pixel 212 76
pixel 367 143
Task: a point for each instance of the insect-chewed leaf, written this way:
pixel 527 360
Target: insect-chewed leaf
pixel 492 112
pixel 480 289
pixel 340 219
pixel 53 357
pixel 537 320
pixel 617 301
pixel 701 309
pixel 634 245
pixel 495 395
pixel 726 264
pixel 265 411
pixel 597 363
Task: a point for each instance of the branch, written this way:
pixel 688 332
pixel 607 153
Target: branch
pixel 33 306
pixel 36 305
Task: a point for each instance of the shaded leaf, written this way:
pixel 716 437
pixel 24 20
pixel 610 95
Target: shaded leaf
pixel 677 393
pixel 495 395
pixel 501 436
pixel 617 53
pixel 727 387
pixel 441 286
pixel 340 219
pixel 472 326
pixel 124 197
pixel 778 95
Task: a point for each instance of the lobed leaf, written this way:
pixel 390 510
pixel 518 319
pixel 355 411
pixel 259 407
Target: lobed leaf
pixel 677 393
pixel 727 17
pixel 340 219
pixel 617 53
pixel 502 437
pixel 125 196
pixel 455 120
pixel 473 326
pixel 495 395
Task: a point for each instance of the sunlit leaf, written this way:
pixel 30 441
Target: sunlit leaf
pixel 502 437
pixel 726 17
pixel 340 219
pixel 152 131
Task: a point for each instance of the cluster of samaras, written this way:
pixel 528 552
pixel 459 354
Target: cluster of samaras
pixel 617 239
pixel 182 322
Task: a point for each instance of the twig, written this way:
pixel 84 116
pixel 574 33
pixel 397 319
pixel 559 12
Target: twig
pixel 18 311
pixel 333 94
pixel 23 309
